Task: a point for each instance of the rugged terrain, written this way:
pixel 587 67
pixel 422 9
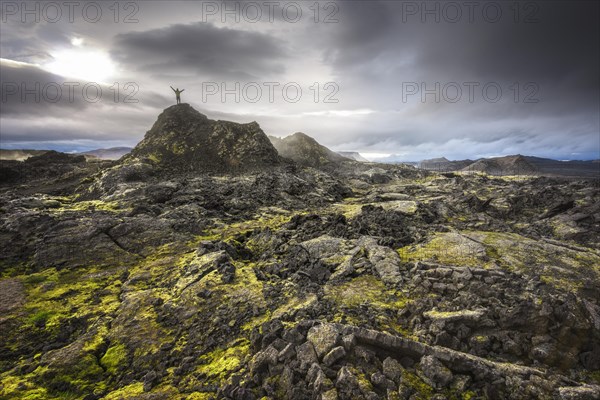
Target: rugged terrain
pixel 204 265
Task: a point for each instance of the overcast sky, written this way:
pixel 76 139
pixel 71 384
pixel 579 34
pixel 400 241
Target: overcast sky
pixel 413 80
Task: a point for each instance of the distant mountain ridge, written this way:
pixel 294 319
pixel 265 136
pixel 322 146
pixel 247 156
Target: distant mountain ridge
pixel 515 165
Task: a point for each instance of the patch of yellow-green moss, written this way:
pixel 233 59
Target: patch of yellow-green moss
pixel 448 248
pixel 364 289
pixel 364 383
pixel 229 231
pixel 219 364
pixel 564 267
pixel 114 358
pixel 349 208
pixel 201 396
pixel 422 389
pixel 89 205
pixel 14 387
pixel 127 392
pixel 154 157
pixel 563 283
pixel 53 298
pixel 257 321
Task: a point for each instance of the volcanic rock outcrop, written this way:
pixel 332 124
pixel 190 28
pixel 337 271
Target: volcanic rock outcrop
pixel 184 140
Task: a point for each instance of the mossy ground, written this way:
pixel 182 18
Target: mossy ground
pixel 102 322
pixel 563 267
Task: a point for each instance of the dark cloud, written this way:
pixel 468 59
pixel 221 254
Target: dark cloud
pixel 45 108
pixel 201 48
pixel 370 52
pixel 30 91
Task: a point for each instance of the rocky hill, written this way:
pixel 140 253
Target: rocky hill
pixel 184 140
pixel 163 278
pixel 305 150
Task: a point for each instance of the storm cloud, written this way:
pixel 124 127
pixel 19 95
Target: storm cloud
pixel 202 49
pixel 528 75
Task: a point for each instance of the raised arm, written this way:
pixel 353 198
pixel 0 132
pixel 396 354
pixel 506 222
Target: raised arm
pixel 182 90
pixel 172 88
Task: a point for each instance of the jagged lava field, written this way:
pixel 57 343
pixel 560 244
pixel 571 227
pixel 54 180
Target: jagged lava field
pixel 214 262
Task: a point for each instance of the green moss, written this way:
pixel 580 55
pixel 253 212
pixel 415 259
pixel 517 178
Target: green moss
pixel 96 342
pixel 447 248
pixel 365 289
pixel 53 298
pixel 562 282
pixel 348 208
pixel 363 382
pixel 468 395
pixel 220 363
pixel 129 391
pixel 114 358
pixel 40 317
pixel 565 268
pixel 155 158
pixel 423 390
pixel 231 231
pixel 89 205
pixel 200 396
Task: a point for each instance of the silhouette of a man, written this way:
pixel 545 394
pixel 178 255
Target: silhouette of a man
pixel 178 94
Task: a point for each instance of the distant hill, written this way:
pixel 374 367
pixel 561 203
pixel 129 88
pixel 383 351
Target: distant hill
pixel 528 165
pixel 516 165
pixel 113 153
pixel 353 155
pixel 19 155
pixel 305 150
pixel 509 165
pixel 443 164
pixel 551 167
